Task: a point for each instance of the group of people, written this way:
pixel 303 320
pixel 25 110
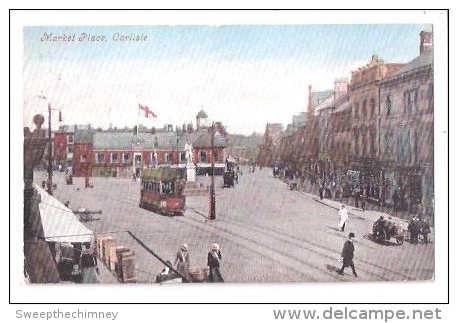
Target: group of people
pixel 418 226
pixel 214 258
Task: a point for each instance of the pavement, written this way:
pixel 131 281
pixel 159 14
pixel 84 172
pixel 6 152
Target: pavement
pixel 105 276
pixel 307 187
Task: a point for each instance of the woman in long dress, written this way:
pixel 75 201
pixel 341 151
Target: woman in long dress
pixel 88 267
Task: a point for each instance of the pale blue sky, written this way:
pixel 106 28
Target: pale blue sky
pixel 242 75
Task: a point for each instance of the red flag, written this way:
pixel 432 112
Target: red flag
pixel 147 110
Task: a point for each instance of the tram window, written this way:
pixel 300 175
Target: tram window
pixel 167 188
pixel 150 187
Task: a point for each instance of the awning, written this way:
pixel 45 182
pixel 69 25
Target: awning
pixel 59 222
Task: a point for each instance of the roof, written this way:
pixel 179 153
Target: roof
pixel 83 136
pixel 66 128
pixel 425 59
pixel 204 140
pixel 201 114
pixel 343 106
pixel 59 222
pixel 318 97
pixel 112 141
pixel 160 174
pixel 150 141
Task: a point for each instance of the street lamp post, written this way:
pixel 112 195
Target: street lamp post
pixel 212 211
pixel 49 151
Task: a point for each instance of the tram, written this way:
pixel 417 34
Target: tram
pixel 162 191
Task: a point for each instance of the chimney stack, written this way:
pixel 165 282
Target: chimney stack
pixel 426 41
pixel 340 87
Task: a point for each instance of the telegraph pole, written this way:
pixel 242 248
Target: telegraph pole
pixel 212 211
pixel 49 151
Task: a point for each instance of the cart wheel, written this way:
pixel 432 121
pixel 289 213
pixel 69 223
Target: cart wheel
pixel 380 235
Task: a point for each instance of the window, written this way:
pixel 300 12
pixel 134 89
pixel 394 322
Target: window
pixel 388 104
pixel 99 158
pixel 364 110
pixel 114 158
pixel 70 139
pixel 182 156
pixel 372 143
pixel 153 161
pixel 410 101
pixel 356 140
pixel 387 142
pixel 356 108
pixel 215 156
pixel 125 158
pixel 203 157
pixel 372 108
pixel 430 97
pixel 83 158
pixel 167 157
pixel 403 148
pixel 70 149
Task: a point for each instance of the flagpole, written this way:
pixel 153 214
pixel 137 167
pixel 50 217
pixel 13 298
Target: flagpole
pixel 138 140
pixel 138 116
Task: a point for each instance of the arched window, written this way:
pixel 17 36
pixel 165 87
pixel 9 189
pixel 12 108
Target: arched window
pixel 356 140
pixel 364 110
pixel 372 108
pixel 388 104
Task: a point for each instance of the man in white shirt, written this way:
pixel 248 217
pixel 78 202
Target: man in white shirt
pixel 343 214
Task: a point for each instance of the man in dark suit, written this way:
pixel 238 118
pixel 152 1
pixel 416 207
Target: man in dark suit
pixel 214 259
pixel 348 254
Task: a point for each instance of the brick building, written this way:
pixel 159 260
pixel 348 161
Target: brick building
pixel 364 98
pixel 120 153
pixel 407 132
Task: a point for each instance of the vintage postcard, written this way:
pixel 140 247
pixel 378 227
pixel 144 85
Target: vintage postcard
pixel 222 153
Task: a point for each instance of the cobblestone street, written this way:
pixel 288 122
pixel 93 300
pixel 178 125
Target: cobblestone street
pixel 267 233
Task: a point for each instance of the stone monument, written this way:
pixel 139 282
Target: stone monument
pixel 190 167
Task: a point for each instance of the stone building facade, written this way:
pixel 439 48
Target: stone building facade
pixel 407 132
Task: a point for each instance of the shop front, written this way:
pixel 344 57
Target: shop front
pixel 65 234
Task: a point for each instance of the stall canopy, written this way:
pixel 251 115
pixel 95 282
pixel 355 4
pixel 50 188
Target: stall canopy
pixel 59 222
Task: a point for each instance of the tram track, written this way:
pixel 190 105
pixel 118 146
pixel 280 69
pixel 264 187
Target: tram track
pixel 305 244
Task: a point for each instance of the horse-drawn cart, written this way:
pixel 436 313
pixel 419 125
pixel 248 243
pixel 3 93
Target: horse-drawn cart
pixel 384 230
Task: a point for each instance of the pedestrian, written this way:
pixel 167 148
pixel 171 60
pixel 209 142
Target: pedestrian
pixel 414 229
pixel 343 215
pixel 363 201
pixel 348 253
pixel 425 229
pixel 213 263
pixel 182 261
pixel 320 190
pixel 88 264
pixel 357 194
